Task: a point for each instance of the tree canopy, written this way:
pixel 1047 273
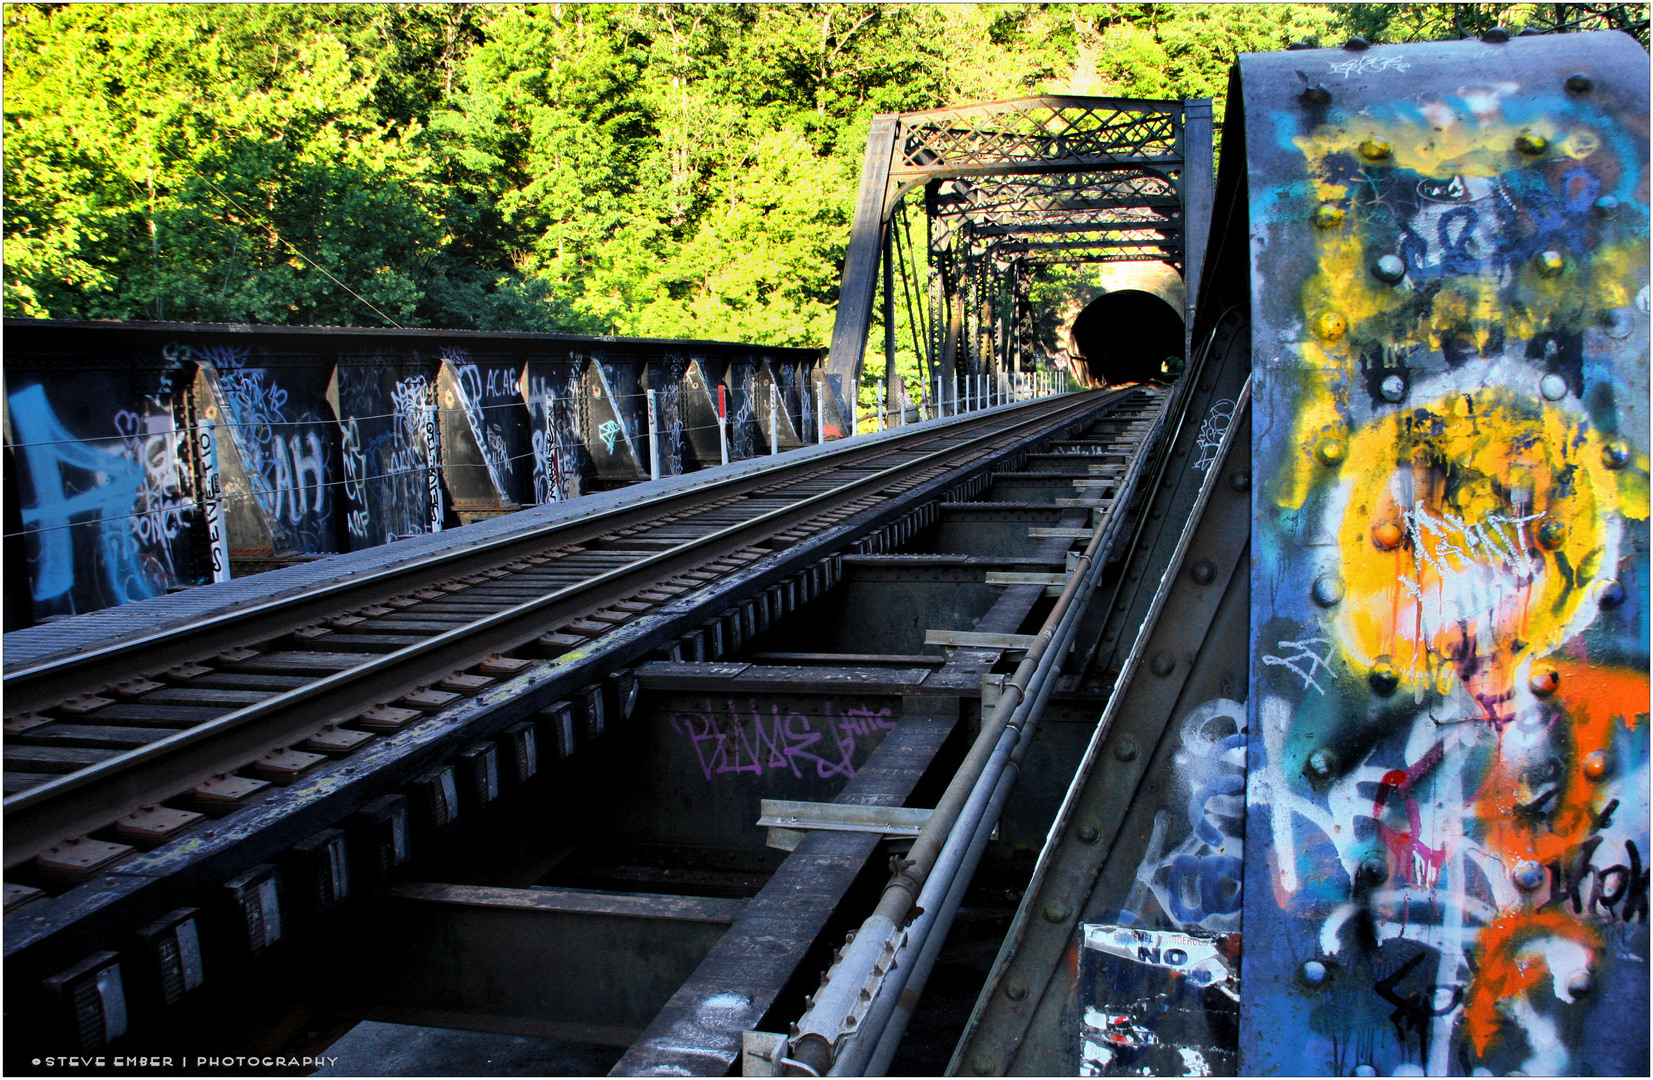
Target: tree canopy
pixel 659 170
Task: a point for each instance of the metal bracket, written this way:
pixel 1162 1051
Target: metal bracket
pixel 969 639
pixel 787 820
pixel 761 1053
pixel 1053 583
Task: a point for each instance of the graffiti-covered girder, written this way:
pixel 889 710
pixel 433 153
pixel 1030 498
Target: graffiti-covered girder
pixel 1420 843
pixel 1448 825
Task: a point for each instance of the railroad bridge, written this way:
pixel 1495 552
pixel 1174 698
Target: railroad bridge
pixel 659 707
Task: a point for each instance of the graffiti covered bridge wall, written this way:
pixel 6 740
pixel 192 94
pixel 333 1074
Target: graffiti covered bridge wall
pixel 1447 818
pixel 334 439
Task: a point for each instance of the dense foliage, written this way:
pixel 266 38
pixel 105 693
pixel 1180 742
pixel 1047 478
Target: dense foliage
pixel 662 170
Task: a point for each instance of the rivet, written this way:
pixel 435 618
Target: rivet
pixel 1531 142
pixel 1543 680
pixel 1322 763
pixel 1496 36
pixel 1618 323
pixel 1375 149
pixel 1015 989
pixel 1612 595
pixel 982 1064
pixel 1239 480
pixel 1553 387
pixel 1549 263
pixel 1528 875
pixel 1327 590
pixel 1316 96
pixel 1298 46
pixel 1616 454
pixel 1580 83
pixel 1374 870
pixel 1530 31
pixel 1331 325
pixel 1606 206
pixel 1390 268
pixel 1581 983
pixel 1328 216
pixel 1393 388
pixel 1383 677
pixel 1313 972
pixel 1331 451
pixel 1595 765
pixel 1552 534
pixel 1087 833
pixel 1127 749
pixel 1203 572
pixel 1357 44
pixel 1163 664
pixel 1364 1070
pixel 1056 911
pixel 1387 535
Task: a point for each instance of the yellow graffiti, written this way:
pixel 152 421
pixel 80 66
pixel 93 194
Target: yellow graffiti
pixel 1477 527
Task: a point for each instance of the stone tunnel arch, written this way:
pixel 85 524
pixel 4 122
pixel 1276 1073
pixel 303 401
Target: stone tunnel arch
pixel 1126 336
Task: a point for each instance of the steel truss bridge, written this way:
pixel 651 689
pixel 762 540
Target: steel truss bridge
pixel 1287 718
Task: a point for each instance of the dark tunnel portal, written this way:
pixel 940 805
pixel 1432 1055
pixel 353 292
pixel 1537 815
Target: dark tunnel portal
pixel 1125 336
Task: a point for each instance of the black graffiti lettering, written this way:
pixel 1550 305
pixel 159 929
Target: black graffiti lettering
pixel 1635 899
pixel 1566 885
pixel 1602 820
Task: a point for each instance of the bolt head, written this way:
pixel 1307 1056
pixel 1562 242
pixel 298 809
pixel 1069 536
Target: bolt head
pixel 1328 216
pixel 1203 572
pixel 1606 206
pixel 1322 763
pixel 982 1064
pixel 1496 36
pixel 1580 84
pixel 1331 451
pixel 1549 263
pixel 1056 911
pixel 1552 534
pixel 1393 388
pixel 1376 149
pixel 1612 595
pixel 1528 875
pixel 1331 325
pixel 1126 749
pixel 1553 387
pixel 1543 680
pixel 1387 535
pixel 1357 44
pixel 1317 96
pixel 1596 764
pixel 1327 590
pixel 1383 677
pixel 1313 972
pixel 1163 664
pixel 1364 1070
pixel 1239 480
pixel 1087 833
pixel 1616 454
pixel 1298 46
pixel 1390 268
pixel 1015 989
pixel 1581 983
pixel 1374 870
pixel 1531 143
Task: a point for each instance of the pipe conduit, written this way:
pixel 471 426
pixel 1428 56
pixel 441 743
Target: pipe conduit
pixel 840 1032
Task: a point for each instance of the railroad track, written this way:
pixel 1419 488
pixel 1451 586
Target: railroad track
pixel 131 745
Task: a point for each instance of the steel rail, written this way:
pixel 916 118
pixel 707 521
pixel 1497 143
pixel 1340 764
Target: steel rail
pixel 869 961
pixel 90 797
pixel 45 683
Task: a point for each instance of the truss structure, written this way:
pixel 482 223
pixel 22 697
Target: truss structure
pixel 1008 187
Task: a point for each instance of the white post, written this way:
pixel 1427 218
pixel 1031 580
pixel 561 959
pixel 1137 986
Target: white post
pixel 723 422
pixel 654 442
pixel 957 388
pixel 433 468
pixel 820 413
pixel 881 418
pixel 212 502
pixel 774 444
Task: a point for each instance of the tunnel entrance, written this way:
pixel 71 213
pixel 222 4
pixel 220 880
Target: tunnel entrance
pixel 1129 336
